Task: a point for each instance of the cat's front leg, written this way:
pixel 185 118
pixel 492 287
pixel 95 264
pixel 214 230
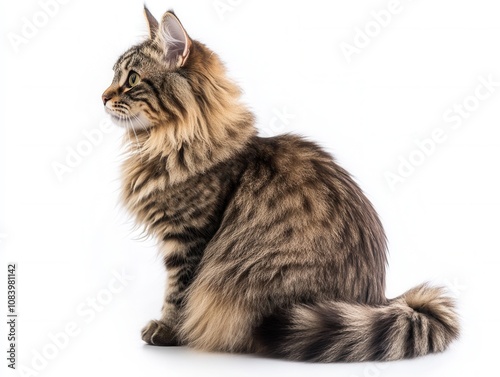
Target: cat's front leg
pixel 181 260
pixel 162 332
pixel 157 333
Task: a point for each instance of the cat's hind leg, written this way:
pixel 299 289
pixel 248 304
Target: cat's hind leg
pixel 215 321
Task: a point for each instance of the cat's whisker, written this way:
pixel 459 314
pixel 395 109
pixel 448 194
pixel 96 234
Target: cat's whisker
pixel 139 146
pixel 131 143
pixel 143 125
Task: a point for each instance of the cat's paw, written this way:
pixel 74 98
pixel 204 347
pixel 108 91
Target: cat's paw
pixel 157 333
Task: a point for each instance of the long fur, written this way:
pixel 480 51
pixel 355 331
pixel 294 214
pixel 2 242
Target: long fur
pixel 270 246
pixel 421 321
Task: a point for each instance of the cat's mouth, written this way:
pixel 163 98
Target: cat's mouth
pixel 119 119
pixel 136 122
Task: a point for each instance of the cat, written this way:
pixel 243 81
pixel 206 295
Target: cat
pixel 270 246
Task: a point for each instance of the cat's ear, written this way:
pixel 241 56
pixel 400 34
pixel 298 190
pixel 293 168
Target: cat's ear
pixel 152 22
pixel 174 39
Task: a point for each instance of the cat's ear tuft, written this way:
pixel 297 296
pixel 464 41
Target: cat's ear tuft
pixel 174 39
pixel 152 22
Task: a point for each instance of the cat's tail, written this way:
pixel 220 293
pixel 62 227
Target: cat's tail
pixel 421 321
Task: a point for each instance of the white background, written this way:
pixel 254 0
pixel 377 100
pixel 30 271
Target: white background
pixel 70 235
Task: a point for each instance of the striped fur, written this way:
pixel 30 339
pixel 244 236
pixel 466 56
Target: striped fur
pixel 421 321
pixel 269 245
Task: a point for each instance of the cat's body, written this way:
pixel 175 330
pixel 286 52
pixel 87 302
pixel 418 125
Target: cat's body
pixel 269 245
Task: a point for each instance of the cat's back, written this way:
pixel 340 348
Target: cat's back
pixel 292 183
pixel 298 166
pixel 294 209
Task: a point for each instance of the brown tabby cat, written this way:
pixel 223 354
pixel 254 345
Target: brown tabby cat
pixel 269 245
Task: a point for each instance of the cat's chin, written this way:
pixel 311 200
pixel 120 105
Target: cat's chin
pixel 138 122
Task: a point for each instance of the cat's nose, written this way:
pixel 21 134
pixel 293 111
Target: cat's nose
pixel 105 99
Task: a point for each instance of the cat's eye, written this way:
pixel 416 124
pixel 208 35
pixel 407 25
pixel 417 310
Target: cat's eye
pixel 133 79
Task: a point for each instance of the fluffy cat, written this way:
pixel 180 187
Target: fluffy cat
pixel 270 246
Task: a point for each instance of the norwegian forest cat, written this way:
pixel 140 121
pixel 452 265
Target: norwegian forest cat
pixel 270 247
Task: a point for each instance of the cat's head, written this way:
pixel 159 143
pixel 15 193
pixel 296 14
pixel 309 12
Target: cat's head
pixel 167 79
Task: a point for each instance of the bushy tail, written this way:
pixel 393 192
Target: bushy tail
pixel 419 322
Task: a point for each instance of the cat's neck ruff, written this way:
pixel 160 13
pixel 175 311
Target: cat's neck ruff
pixel 184 150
